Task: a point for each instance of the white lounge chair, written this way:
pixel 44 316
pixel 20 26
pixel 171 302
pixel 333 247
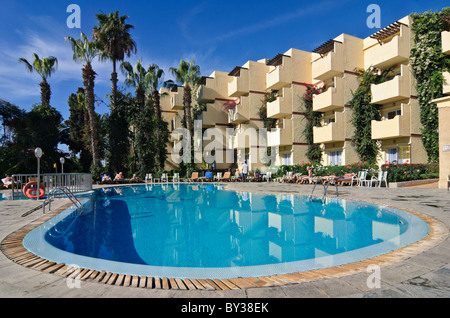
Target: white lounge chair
pixel 164 178
pixel 176 176
pixel 362 178
pixel 267 176
pixel 148 178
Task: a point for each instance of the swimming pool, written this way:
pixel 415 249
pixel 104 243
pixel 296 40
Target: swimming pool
pixel 205 231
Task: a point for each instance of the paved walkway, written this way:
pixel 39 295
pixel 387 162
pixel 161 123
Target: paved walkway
pixel 423 275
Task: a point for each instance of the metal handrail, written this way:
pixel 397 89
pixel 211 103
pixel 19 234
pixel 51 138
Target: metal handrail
pixel 69 195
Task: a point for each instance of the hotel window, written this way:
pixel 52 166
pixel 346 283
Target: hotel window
pixel 335 158
pixel 286 159
pixel 402 154
pixel 392 114
pixel 392 155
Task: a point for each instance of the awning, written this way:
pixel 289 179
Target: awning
pixel 387 31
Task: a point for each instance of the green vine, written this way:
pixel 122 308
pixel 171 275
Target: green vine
pixel 313 119
pixel 428 63
pixel 268 97
pixel 364 112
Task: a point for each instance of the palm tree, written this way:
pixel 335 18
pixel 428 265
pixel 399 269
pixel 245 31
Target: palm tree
pixel 85 51
pixel 188 74
pixel 154 78
pixel 44 68
pixel 136 77
pixel 114 38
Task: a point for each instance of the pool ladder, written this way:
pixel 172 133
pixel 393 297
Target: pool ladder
pixel 65 191
pixel 325 188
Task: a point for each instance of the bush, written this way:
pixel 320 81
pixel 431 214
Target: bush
pixel 407 172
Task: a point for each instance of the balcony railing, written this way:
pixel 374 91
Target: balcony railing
pixel 332 132
pixel 236 116
pixel 387 54
pixel 239 85
pixel 279 77
pixel 330 65
pixel 176 101
pixel 280 136
pixel 399 126
pixel 331 99
pixel 282 106
pixel 206 94
pixel 396 89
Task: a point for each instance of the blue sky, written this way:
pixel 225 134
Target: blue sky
pixel 218 35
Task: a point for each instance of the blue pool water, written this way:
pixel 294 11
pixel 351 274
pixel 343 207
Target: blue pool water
pixel 204 231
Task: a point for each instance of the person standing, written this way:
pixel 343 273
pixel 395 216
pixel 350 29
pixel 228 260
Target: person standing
pixel 244 171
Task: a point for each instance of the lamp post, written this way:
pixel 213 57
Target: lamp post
pixel 62 164
pixel 38 154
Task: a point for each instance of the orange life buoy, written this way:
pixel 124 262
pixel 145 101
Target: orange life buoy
pixel 30 187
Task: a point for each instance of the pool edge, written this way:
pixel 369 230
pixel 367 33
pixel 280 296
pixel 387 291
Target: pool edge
pixel 12 247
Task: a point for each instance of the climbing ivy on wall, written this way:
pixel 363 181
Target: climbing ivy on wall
pixel 428 63
pixel 268 97
pixel 364 112
pixel 313 119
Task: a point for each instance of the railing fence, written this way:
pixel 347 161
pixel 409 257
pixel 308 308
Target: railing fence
pixel 75 182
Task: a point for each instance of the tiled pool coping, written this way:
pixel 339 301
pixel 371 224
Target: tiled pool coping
pixel 13 248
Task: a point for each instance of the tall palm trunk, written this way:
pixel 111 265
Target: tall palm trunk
pixel 140 97
pixel 187 100
pixel 45 92
pixel 114 81
pixel 156 104
pixel 88 81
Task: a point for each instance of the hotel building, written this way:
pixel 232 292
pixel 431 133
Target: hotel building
pixel 332 66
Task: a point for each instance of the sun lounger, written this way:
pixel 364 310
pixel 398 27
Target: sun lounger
pixel 194 177
pixel 207 178
pixel 226 176
pixel 348 178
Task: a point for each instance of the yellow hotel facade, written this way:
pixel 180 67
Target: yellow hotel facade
pixel 331 66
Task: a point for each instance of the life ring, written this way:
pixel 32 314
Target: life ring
pixel 30 187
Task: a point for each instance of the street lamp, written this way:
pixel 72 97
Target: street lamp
pixel 62 164
pixel 38 153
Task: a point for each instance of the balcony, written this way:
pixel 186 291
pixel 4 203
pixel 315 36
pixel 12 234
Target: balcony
pixel 399 126
pixel 329 65
pixel 331 99
pixel 446 84
pixel 206 95
pixel 396 89
pixel 214 114
pixel 236 115
pixel 389 53
pixel 278 78
pixel 332 132
pixel 280 136
pixel 240 84
pixel 282 106
pixel 246 137
pixel 176 101
pixel 445 42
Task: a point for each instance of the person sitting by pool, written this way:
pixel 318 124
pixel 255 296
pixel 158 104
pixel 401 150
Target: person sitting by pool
pixel 119 178
pixel 106 179
pixel 7 182
pixel 135 178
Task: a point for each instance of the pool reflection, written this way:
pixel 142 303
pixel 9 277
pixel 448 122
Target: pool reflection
pixel 201 226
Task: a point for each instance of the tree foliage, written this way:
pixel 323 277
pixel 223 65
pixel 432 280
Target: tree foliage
pixel 428 62
pixel 313 119
pixel 364 112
